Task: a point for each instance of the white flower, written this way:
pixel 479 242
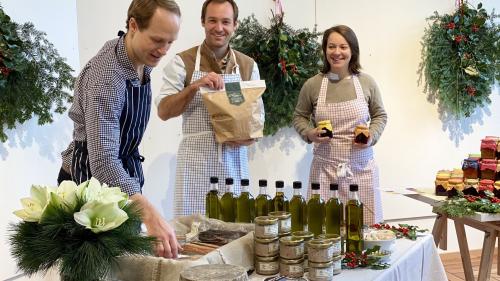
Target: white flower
pixel 92 190
pixel 35 205
pixel 100 217
pixel 65 195
pixel 471 71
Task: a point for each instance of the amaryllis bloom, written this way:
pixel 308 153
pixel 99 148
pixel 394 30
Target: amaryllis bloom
pixel 34 206
pixel 100 217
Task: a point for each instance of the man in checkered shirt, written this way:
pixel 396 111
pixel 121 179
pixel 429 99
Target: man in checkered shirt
pixel 111 109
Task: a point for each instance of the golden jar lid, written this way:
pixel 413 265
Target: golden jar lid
pixel 266 240
pixel 318 243
pixel 320 264
pixel 267 259
pixel 291 240
pixel 265 220
pixel 330 237
pixel 306 235
pixel 472 181
pixel 280 215
pixel 293 261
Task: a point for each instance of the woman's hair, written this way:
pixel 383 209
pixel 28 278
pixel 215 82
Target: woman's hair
pixel 143 10
pixel 351 39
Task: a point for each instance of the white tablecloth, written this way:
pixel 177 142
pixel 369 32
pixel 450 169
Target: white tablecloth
pixel 411 261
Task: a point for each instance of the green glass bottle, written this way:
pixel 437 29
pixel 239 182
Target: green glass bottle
pixel 354 221
pixel 334 208
pixel 245 205
pixel 298 208
pixel 228 202
pixel 262 201
pixel 280 202
pixel 212 204
pixel 315 211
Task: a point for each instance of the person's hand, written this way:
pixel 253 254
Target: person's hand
pixel 363 145
pixel 166 245
pixel 211 80
pixel 240 142
pixel 314 136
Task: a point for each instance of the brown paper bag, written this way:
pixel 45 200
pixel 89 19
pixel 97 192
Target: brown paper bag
pixel 237 111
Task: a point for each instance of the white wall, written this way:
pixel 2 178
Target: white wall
pixel 415 144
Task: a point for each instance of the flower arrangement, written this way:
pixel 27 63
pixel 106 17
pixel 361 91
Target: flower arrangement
pixel 286 59
pixel 368 258
pixel 460 59
pixel 466 205
pixel 34 79
pixel 81 229
pixel 401 231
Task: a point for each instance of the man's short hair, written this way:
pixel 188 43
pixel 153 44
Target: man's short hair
pixel 233 4
pixel 142 10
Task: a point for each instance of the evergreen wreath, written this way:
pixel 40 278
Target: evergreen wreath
pixel 460 59
pixel 33 77
pixel 286 59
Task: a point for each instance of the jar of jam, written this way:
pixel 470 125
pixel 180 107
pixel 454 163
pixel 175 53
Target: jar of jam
pixel 485 185
pixel 471 187
pixel 496 189
pixel 441 182
pixel 470 167
pixel 326 126
pixel 488 148
pixel 488 169
pixel 361 134
pixel 454 185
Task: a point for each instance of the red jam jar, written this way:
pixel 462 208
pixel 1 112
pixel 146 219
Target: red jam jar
pixel 485 185
pixel 488 169
pixel 488 148
pixel 496 189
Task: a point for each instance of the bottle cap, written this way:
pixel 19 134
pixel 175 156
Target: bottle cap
pixel 214 179
pixel 353 187
pixel 280 184
pixel 229 181
pixel 245 182
pixel 297 184
pixel 262 183
pixel 334 186
pixel 315 186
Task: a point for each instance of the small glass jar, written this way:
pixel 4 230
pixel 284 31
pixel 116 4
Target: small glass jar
pixel 267 265
pixel 496 189
pixel 266 247
pixel 291 247
pixel 284 221
pixel 320 250
pixel 488 169
pixel 337 265
pixel 471 187
pixel 292 268
pixel 336 242
pixel 306 235
pixel 321 271
pixel 470 168
pixel 266 227
pixel 455 185
pixel 441 182
pixel 326 126
pixel 488 148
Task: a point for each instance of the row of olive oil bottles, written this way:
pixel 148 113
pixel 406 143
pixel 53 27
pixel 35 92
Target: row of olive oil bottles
pixel 315 215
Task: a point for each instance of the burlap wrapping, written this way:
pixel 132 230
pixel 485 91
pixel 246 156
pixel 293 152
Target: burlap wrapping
pixel 236 122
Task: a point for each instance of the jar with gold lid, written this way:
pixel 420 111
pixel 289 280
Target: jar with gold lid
pixel 336 242
pixel 267 265
pixel 488 169
pixel 291 247
pixel 284 221
pixel 485 185
pixel 455 185
pixel 441 183
pixel 320 250
pixel 496 189
pixel 326 270
pixel 266 247
pixel 266 227
pixel 470 167
pixel 293 268
pixel 306 235
pixel 326 126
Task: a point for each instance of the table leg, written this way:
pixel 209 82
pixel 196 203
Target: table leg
pixel 487 254
pixel 439 229
pixel 498 257
pixel 464 250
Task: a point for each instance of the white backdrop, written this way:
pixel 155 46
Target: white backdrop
pixel 415 144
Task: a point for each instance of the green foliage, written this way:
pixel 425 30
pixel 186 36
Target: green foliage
pixel 466 205
pixel 33 77
pixel 460 59
pixel 81 254
pixel 286 59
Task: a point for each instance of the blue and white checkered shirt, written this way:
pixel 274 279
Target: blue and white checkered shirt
pixel 97 106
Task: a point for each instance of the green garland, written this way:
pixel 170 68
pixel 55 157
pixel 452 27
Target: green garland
pixel 460 59
pixel 286 59
pixel 33 77
pixel 467 205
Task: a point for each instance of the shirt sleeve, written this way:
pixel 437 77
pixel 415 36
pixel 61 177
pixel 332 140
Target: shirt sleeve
pixel 378 115
pixel 303 112
pixel 174 75
pixel 102 122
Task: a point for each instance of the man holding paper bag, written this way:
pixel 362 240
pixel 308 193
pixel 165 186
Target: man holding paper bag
pixel 210 65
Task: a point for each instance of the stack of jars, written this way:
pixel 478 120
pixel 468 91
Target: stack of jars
pixel 324 254
pixel 266 245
